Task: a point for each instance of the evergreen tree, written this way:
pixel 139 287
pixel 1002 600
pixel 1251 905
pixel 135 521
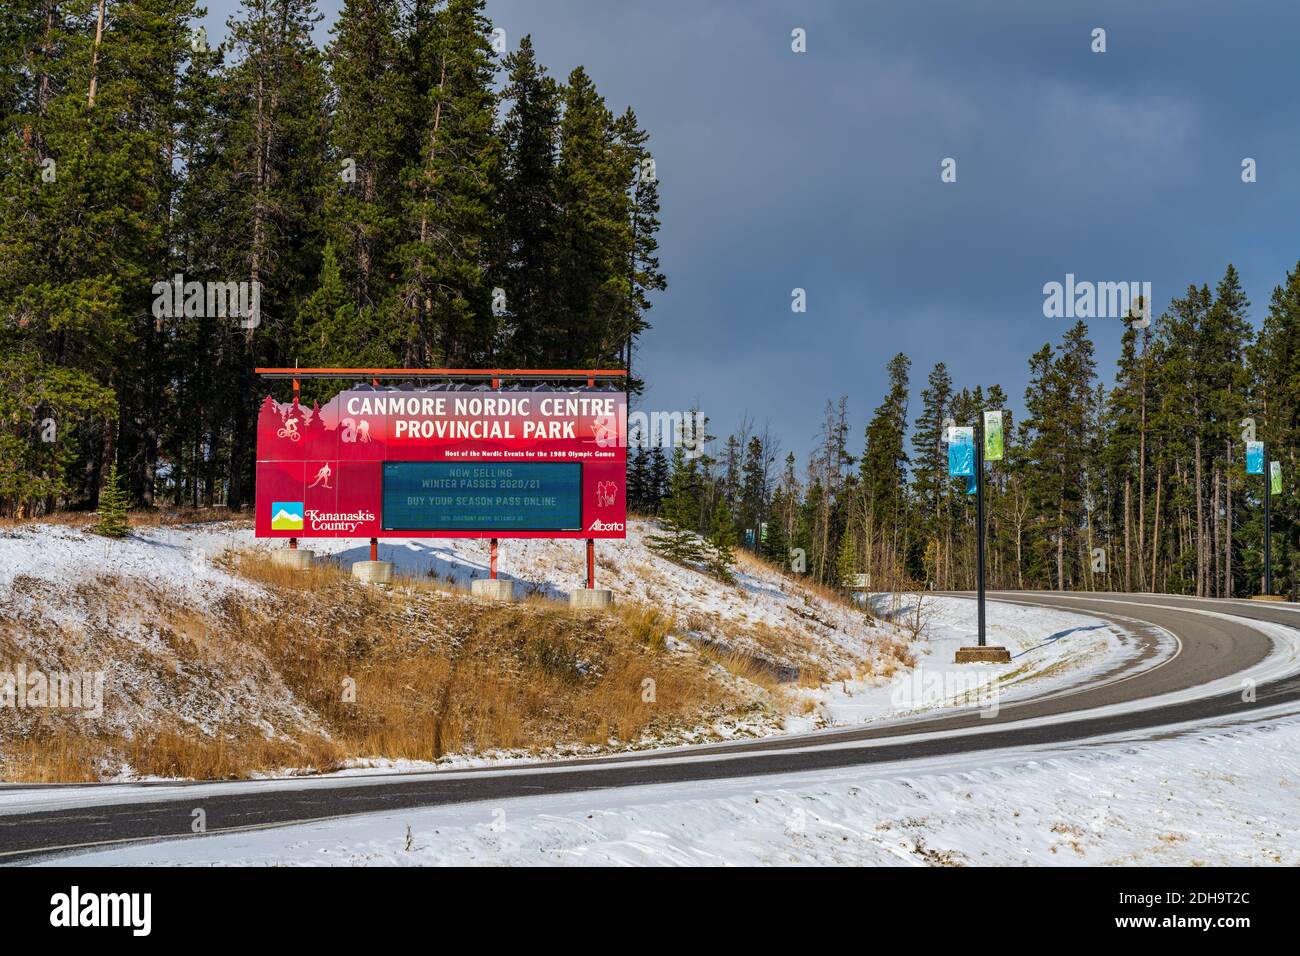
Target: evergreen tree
pixel 730 485
pixel 930 473
pixel 42 409
pixel 1124 452
pixel 1229 335
pixel 266 187
pixel 679 514
pixel 658 484
pixel 644 275
pixel 448 221
pixel 1276 408
pixel 752 503
pixel 806 535
pixel 372 96
pixel 883 475
pixel 594 231
pixel 776 547
pixel 530 208
pixel 113 520
pixel 638 481
pixel 846 562
pixel 722 542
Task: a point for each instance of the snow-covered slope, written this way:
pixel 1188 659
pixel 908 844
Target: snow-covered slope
pixel 161 613
pixel 72 602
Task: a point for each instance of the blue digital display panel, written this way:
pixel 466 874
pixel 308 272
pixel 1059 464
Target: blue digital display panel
pixel 482 496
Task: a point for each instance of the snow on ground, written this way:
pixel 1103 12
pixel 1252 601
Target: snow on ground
pixel 54 579
pixel 836 635
pixel 1050 649
pixel 1230 796
pixel 65 556
pixel 72 602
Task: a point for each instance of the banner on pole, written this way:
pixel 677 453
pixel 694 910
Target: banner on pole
pixel 993 442
pixel 1254 458
pixel 1275 477
pixel 961 451
pixel 972 484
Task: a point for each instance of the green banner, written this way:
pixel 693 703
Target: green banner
pixel 1275 477
pixel 993 443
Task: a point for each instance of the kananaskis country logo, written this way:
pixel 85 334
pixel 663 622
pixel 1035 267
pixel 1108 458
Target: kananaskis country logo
pixel 286 516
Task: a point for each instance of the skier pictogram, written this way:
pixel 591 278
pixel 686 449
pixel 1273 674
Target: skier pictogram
pixel 322 477
pixel 605 428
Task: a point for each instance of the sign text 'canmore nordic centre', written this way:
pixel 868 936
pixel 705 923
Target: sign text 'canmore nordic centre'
pixel 444 462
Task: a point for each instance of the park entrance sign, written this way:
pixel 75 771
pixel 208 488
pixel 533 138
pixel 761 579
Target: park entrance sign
pixel 456 459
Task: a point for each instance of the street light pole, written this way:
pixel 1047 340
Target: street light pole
pixel 1268 525
pixel 980 653
pixel 979 523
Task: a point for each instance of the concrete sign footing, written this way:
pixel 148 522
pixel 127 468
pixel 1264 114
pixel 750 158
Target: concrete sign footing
pixel 300 559
pixel 983 655
pixel 493 589
pixel 591 597
pixel 373 572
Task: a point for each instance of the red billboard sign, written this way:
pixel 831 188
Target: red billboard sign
pixel 444 462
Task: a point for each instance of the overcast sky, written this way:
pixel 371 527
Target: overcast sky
pixel 821 170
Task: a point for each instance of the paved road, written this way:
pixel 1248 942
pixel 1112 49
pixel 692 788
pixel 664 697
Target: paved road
pixel 1211 647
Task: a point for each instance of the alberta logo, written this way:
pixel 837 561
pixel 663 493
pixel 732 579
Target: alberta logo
pixel 286 516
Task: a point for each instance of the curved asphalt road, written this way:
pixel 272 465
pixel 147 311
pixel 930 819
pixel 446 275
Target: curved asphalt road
pixel 1210 648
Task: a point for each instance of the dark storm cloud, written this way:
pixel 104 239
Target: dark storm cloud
pixel 821 171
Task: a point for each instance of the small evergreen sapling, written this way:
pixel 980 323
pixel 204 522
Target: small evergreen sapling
pixel 113 521
pixel 722 554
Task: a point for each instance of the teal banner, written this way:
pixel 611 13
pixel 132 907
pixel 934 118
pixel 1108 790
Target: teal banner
pixel 961 451
pixel 1254 458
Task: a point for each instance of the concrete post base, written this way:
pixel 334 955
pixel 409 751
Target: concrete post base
pixel 373 572
pixel 983 655
pixel 300 559
pixel 493 589
pixel 591 597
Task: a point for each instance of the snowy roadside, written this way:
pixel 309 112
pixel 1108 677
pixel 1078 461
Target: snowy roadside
pixel 64 589
pixel 1051 650
pixel 1225 797
pixel 61 588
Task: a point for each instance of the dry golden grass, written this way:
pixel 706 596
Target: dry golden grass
pixel 751 561
pixel 419 671
pixel 411 671
pixel 63 757
pixel 258 567
pixel 744 666
pixel 788 654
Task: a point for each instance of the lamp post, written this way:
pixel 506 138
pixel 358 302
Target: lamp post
pixel 979 526
pixel 981 652
pixel 1258 463
pixel 1268 524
